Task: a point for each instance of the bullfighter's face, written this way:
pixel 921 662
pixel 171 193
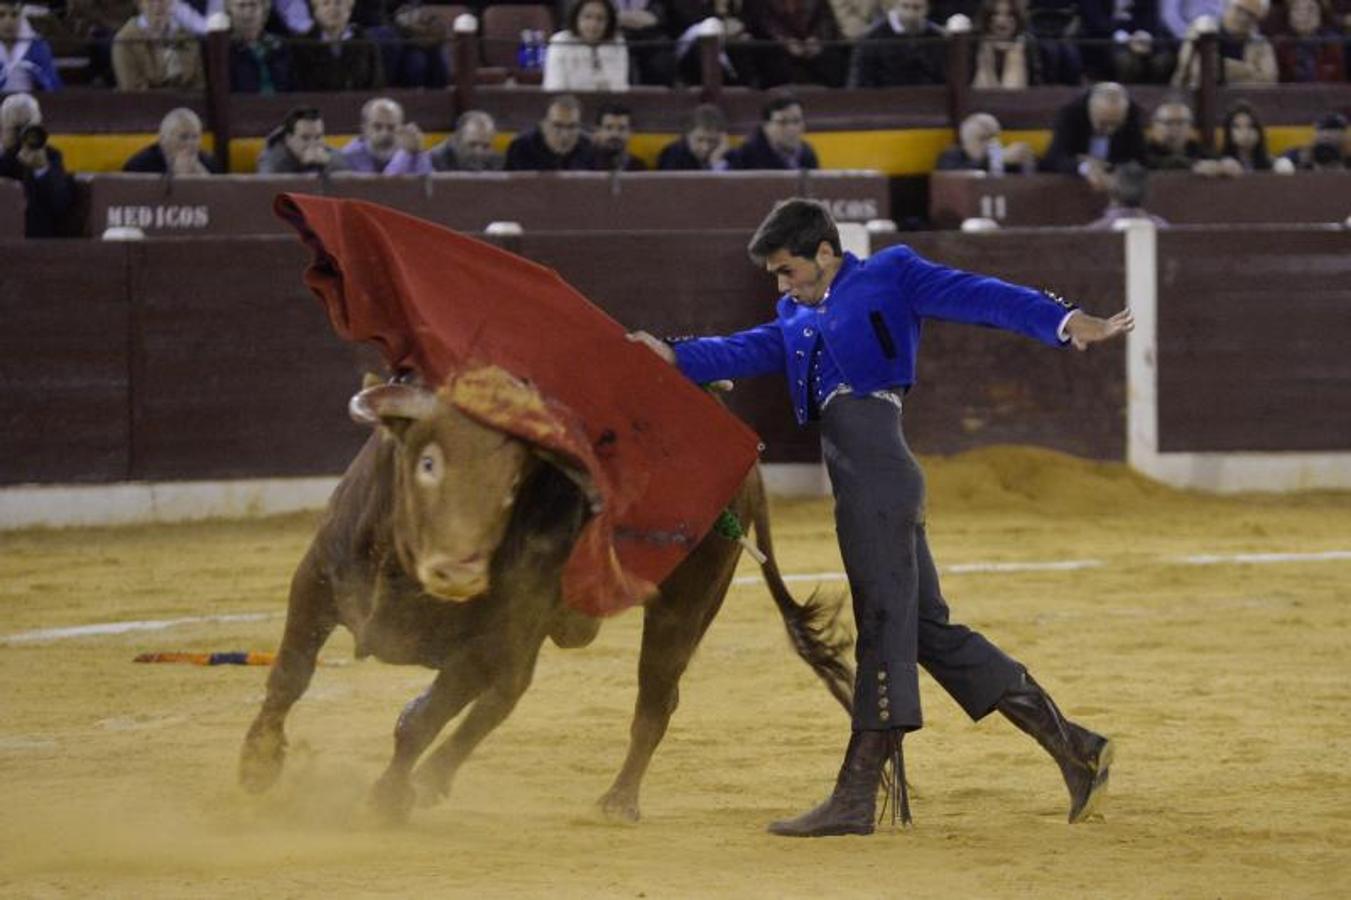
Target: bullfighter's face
pixel 805 280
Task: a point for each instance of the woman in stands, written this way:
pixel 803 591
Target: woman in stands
pixel 588 55
pixel 1245 141
pixel 1007 55
pixel 1309 50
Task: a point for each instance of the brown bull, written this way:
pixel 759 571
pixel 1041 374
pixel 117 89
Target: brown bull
pixel 438 508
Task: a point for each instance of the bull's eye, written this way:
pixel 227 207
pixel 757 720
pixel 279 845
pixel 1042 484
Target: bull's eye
pixel 430 466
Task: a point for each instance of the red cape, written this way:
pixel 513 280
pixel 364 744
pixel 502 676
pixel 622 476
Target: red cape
pixel 662 458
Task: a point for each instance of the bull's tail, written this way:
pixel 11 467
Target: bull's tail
pixel 814 627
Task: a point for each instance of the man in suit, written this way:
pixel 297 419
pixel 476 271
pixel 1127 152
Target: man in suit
pixel 778 143
pixel 903 47
pixel 846 337
pixel 1096 132
pixel 556 144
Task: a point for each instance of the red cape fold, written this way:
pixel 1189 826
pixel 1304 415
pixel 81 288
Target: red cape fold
pixel 660 456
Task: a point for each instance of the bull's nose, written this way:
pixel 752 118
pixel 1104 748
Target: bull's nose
pixel 452 580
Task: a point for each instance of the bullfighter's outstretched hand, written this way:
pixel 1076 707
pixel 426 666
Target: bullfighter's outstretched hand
pixel 1084 329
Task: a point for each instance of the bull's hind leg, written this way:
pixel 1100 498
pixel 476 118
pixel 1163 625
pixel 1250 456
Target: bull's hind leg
pixel 436 773
pixel 673 625
pixel 310 619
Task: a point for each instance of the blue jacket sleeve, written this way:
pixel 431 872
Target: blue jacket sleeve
pixel 941 293
pixel 758 351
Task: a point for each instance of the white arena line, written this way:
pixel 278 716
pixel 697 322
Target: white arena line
pixel 57 634
pixel 1262 558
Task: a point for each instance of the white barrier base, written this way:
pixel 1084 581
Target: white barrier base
pixel 132 503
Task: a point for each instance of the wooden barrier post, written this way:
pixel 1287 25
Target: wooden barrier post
pixel 710 64
pixel 465 51
pixel 958 76
pixel 218 93
pixel 1207 89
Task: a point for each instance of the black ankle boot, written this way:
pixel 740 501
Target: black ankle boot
pixel 852 806
pixel 1082 755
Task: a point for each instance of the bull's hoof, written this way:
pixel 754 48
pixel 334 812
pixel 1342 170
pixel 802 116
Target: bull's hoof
pixel 619 808
pixel 261 759
pixel 392 799
pixel 431 788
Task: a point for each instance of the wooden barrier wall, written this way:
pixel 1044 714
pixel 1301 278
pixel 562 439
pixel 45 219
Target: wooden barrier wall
pixel 12 205
pixel 192 359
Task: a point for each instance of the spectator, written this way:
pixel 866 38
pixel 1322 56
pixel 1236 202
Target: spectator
pixel 854 17
pixel 25 156
pixel 153 50
pixel 1246 56
pixel 297 145
pixel 413 47
pixel 26 62
pixel 1007 55
pixel 590 54
pixel 979 149
pixel 737 55
pixel 1057 26
pixel 701 147
pixel 1126 198
pixel 777 143
pixel 1327 152
pixel 178 151
pixel 555 144
pixel 1310 51
pixel 610 141
pixel 1178 15
pixel 388 145
pixel 1131 48
pixel 904 47
pixel 336 55
pixel 470 148
pixel 644 22
pixel 1245 142
pixel 1171 146
pixel 804 48
pixel 1099 130
pixel 260 63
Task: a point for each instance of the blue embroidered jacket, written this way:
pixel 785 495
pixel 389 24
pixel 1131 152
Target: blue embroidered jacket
pixel 870 323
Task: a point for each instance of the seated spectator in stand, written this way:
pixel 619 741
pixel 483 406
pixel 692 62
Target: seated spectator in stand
pixel 413 45
pixel 590 54
pixel 1126 198
pixel 25 156
pixel 1007 55
pixel 1171 146
pixel 904 47
pixel 297 146
pixel 388 145
pixel 26 62
pixel 1099 130
pixel 1132 48
pixel 1057 25
pixel 644 22
pixel 152 50
pixel 1244 148
pixel 470 148
pixel 610 141
pixel 702 146
pixel 854 17
pixel 980 149
pixel 804 48
pixel 1327 152
pixel 1177 16
pixel 737 55
pixel 260 63
pixel 555 144
pixel 1310 50
pixel 777 143
pixel 336 54
pixel 1246 57
pixel 178 150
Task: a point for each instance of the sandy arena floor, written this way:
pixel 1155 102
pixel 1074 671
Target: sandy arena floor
pixel 1225 684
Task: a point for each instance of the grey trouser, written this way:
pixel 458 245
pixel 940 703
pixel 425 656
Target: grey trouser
pixel 899 612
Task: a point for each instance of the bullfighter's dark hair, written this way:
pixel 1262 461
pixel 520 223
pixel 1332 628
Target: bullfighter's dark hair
pixel 611 16
pixel 797 225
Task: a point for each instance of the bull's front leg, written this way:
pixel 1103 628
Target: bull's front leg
pixel 420 722
pixel 310 619
pixel 435 774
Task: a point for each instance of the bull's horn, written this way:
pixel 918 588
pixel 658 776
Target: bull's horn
pixel 379 404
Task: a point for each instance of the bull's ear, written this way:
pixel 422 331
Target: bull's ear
pixel 395 406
